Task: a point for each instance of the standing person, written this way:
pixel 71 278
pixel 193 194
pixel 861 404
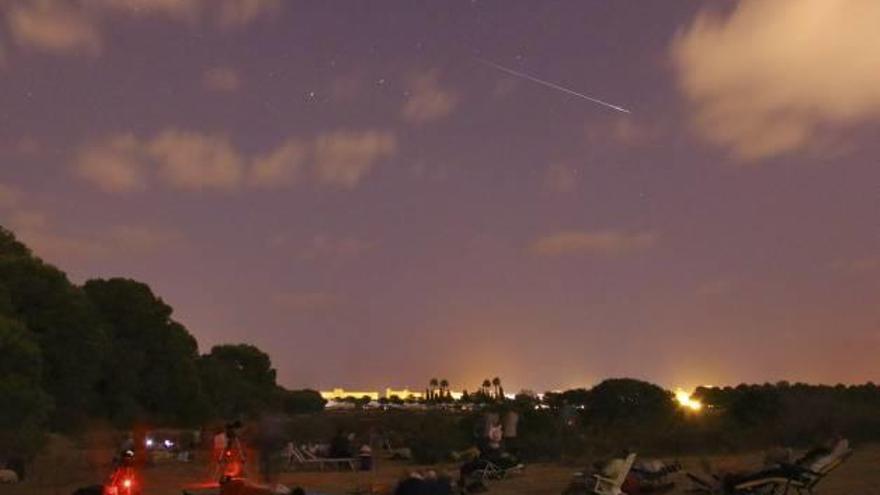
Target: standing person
pixel 269 442
pixel 219 443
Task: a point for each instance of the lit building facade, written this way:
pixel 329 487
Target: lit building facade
pixel 339 393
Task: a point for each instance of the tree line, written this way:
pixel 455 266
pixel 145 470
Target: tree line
pixel 110 349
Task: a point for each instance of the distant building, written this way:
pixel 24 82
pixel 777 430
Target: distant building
pixel 403 394
pixel 339 393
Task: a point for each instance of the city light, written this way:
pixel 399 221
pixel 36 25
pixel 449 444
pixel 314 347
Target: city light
pixel 685 400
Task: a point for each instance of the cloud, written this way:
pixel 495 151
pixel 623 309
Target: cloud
pixel 282 167
pixel 325 247
pixel 37 230
pixel 23 146
pixel 9 196
pixel 715 288
pixel 54 27
pixel 858 265
pixel 223 14
pixel 237 13
pixel 626 131
pixel 139 239
pixel 306 302
pixel 346 88
pixel 75 27
pixel 606 242
pixel 765 79
pixel 115 164
pixel 343 158
pixel 560 178
pixel 222 79
pixel 428 101
pixel 195 161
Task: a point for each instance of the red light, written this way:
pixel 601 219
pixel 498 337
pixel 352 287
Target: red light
pixel 126 483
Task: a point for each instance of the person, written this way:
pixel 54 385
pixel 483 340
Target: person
pixel 427 483
pixel 232 459
pixel 269 441
pixel 341 445
pixel 365 455
pixel 219 443
pixel 123 479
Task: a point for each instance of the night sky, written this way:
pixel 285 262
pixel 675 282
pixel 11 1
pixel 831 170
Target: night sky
pixel 349 187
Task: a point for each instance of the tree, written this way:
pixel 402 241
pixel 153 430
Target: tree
pixel 26 405
pixel 444 388
pixel 432 388
pixel 485 389
pixel 151 368
pixel 496 385
pixel 239 379
pixel 303 401
pixel 627 399
pixel 66 327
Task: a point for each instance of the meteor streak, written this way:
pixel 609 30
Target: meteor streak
pixel 550 85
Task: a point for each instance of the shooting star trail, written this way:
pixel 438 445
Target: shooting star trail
pixel 550 85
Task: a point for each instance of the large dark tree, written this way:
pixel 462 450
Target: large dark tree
pixel 302 401
pixel 239 380
pixel 151 368
pixel 64 323
pixel 25 405
pixel 623 399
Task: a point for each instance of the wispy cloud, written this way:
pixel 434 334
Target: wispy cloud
pixel 195 161
pixel 343 158
pixel 765 78
pixel 326 247
pixel 428 100
pixel 9 196
pixel 281 167
pixel 76 27
pixel 560 178
pixel 54 27
pixel 605 242
pixel 626 131
pixel 306 302
pixel 114 164
pixel 858 265
pixel 55 244
pixel 222 79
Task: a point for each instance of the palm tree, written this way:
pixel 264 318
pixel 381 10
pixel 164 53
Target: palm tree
pixel 444 388
pixel 486 385
pixel 433 387
pixel 496 384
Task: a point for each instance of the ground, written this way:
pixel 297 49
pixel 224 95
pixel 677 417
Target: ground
pixel 59 473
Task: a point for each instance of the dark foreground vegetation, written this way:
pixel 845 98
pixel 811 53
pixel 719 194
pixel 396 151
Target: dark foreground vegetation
pixel 110 351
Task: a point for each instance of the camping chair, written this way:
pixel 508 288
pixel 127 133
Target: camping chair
pixel 805 479
pixel 802 477
pixel 305 458
pixel 767 482
pixel 611 486
pixel 492 471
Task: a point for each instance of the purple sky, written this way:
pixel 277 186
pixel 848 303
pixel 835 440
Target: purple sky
pixel 344 185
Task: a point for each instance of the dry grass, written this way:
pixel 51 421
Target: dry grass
pixel 63 468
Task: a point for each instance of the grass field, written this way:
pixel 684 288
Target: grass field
pixel 61 470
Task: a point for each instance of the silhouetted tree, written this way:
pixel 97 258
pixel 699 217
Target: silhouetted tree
pixel 239 379
pixel 151 366
pixel 26 405
pixel 65 325
pixel 303 401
